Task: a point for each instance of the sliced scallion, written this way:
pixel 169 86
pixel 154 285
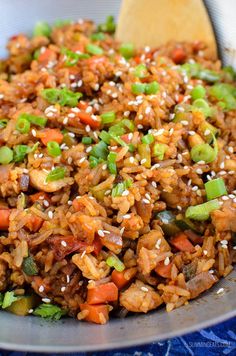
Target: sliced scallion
pixel 149 138
pixel 56 174
pixel 111 162
pixel 215 188
pixel 202 212
pixel 108 117
pixel 114 261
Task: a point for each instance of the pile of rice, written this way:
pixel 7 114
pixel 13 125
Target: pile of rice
pixel 76 223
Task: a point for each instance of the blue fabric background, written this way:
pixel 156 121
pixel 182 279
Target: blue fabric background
pixel 217 340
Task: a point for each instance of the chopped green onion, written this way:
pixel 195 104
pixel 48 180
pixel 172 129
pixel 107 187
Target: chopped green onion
pixel 94 161
pixel 29 266
pixel 87 140
pixel 61 22
pixel 22 125
pixel 98 36
pixel 149 138
pixel 108 117
pixel 225 93
pixel 36 53
pixel 202 212
pixel 122 142
pixel 111 162
pixel 53 149
pixel 93 49
pixel 100 150
pixel 152 88
pixel 8 299
pixel 108 26
pixel 229 73
pixel 64 97
pixel 140 71
pixel 33 119
pixel 42 29
pixel 198 92
pixel 204 152
pixel 159 150
pixel 49 311
pixel 56 174
pixel 117 130
pixel 6 155
pixel 138 88
pixel 203 106
pixel 215 188
pixel 208 75
pixel 105 136
pixel 114 261
pixel 127 50
pixel 195 70
pixel 20 151
pixel 3 123
pixel 72 58
pixel 121 187
pixel 129 124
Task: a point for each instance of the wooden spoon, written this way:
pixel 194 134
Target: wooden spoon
pixel 156 22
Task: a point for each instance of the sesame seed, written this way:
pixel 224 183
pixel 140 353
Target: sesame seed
pixel 205 252
pixel 125 193
pixel 201 162
pixel 211 271
pixel 234 248
pixel 41 289
pixel 157 165
pixel 192 133
pixel 67 278
pixel 76 110
pixel 126 216
pixel 144 289
pixel 207 132
pixel 180 158
pixel 71 115
pixel 222 173
pixel 224 246
pixel 171 131
pixel 184 122
pixel 104 167
pixel 50 214
pixel 147 110
pixel 83 254
pixel 82 159
pixel 159 132
pixel 146 201
pixel 33 132
pixel 231 196
pixel 131 159
pixel 69 202
pixel 114 95
pixel 65 121
pixel 195 188
pixel 126 113
pixel 63 243
pixel 143 161
pixel 73 85
pixel 63 289
pixel 222 165
pixel 199 171
pixel 69 160
pixel 107 192
pixel 122 230
pixel 167 261
pixel 154 184
pixel 46 300
pixel 118 73
pixel 30 311
pixel 158 243
pixel 199 193
pixel 101 233
pixel 225 197
pixel 179 207
pixel 231 149
pixel 50 114
pixel 221 290
pixel 1 96
pixel 140 127
pixel 88 149
pixel 87 128
pixel 224 242
pixel 46 203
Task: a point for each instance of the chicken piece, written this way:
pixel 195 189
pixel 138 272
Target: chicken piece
pixel 200 283
pixel 91 268
pixel 153 240
pixel 225 219
pixel 147 260
pixel 38 181
pixel 140 298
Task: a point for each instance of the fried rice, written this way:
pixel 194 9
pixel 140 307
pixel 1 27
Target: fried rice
pixel 117 175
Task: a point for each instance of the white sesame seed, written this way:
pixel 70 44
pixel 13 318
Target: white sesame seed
pixel 199 171
pixel 144 289
pixel 157 165
pixel 207 132
pixel 63 243
pixel 146 201
pixel 211 271
pixel 158 243
pixel 225 197
pixel 143 161
pixel 167 261
pixel 148 110
pixel 205 252
pixel 231 196
pixel 76 110
pixel 231 149
pixel 224 246
pixel 126 216
pixel 63 289
pixel 179 207
pixel 83 254
pixel 192 133
pixel 82 159
pixel 159 132
pixel 221 290
pixel 67 278
pixel 199 193
pixel 154 184
pixel 30 311
pixel 50 114
pixel 33 132
pixel 69 202
pixel 222 165
pixel 195 188
pixel 125 193
pixel 69 160
pixel 107 192
pixel 227 157
pixel 104 167
pixel 126 113
pixel 46 300
pixel 234 248
pixel 171 131
pixel 118 73
pixel 184 122
pixel 65 121
pixel 131 159
pixel 1 96
pixel 46 203
pixel 122 230
pixel 114 95
pixel 140 127
pixel 87 128
pixel 222 173
pixel 41 289
pixel 50 214
pixel 101 233
pixel 201 162
pixel 73 85
pixel 88 149
pixel 224 242
pixel 71 115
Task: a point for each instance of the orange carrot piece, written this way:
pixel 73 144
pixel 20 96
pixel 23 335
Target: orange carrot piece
pixel 98 314
pixel 178 55
pixel 47 55
pixel 4 218
pixel 82 105
pixel 163 270
pixel 40 196
pixel 182 243
pixel 48 135
pixel 102 293
pixel 121 279
pixel 34 223
pixel 88 120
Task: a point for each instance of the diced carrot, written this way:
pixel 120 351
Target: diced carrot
pixel 48 135
pixel 82 105
pixel 88 120
pixel 34 223
pixel 102 293
pixel 126 138
pixel 137 59
pixel 98 314
pixel 178 55
pixel 182 243
pixel 180 98
pixel 47 55
pixel 4 218
pixel 163 270
pixel 78 47
pixel 121 279
pixel 40 196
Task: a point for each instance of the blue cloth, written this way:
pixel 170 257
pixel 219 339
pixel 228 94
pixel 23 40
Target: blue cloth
pixel 216 340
